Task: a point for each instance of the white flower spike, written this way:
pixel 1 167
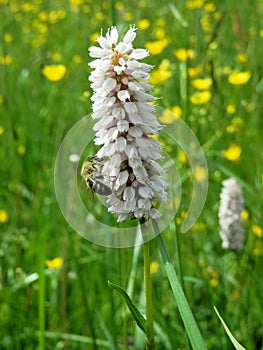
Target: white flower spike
pixel 230 221
pixel 125 125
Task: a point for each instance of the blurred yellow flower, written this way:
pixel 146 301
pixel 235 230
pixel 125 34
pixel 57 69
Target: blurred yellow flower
pixel 177 110
pixel 55 263
pixel 194 71
pixel 258 249
pixel 194 4
pixel 231 109
pixel 2 130
pixel 54 72
pixel 1 99
pixel 214 282
pixel 182 157
pixel 128 16
pixel 21 150
pixel 236 125
pixel 244 215
pixel 154 267
pixel 181 54
pixel 261 33
pixel 242 58
pixel 202 84
pixel 8 38
pixel 5 60
pixel 143 24
pixel 43 16
pixel 201 97
pixel 75 3
pixel 239 78
pixel 257 230
pixel 162 73
pixel 77 59
pixel 159 33
pixel 209 7
pixel 205 23
pixel 200 173
pixel 94 36
pixel 233 152
pixel 3 216
pixel 156 47
pixel 56 57
pixel 167 117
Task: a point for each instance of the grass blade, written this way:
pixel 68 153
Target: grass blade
pixel 230 335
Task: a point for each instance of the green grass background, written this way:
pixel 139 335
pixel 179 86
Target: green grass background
pixel 73 304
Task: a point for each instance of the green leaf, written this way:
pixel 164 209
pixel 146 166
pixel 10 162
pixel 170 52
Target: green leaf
pixel 137 316
pixel 187 316
pixel 230 335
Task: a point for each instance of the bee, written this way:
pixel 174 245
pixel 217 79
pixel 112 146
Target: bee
pixel 91 172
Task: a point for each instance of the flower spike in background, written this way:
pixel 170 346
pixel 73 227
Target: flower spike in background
pixel 125 125
pixel 230 221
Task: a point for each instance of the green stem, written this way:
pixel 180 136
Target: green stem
pixel 190 324
pixel 42 289
pixel 148 297
pixel 113 15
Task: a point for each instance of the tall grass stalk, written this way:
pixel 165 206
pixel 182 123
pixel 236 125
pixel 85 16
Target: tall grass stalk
pixel 148 296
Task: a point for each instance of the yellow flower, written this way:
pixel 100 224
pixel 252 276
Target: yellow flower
pixel 143 24
pixel 1 99
pixel 54 72
pixel 159 33
pixel 8 38
pixel 181 54
pixel 167 117
pixel 194 71
pixel 3 216
pixel 257 230
pixel 239 78
pixel 209 7
pixel 2 130
pixel 156 47
pixel 236 125
pixel 158 76
pixel 200 173
pixel 21 150
pixel 258 249
pixel 201 97
pixel 43 16
pixel 76 3
pixel 261 33
pixel 56 57
pixel 5 60
pixel 55 263
pixel 230 109
pixel 233 152
pixel 182 157
pixel 177 110
pixel 202 84
pixel 194 4
pixel 214 282
pixel 94 36
pixel 77 59
pixel 242 58
pixel 128 16
pixel 205 23
pixel 244 215
pixel 154 267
